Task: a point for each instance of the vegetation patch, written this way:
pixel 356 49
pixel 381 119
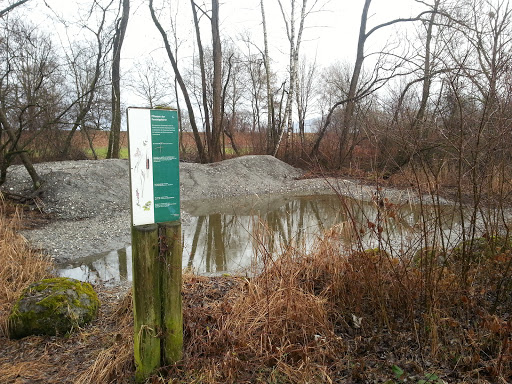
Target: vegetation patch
pixel 476 249
pixel 19 265
pixel 101 153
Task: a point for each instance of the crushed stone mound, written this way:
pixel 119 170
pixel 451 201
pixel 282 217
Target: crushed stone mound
pixel 238 176
pixel 90 188
pixel 76 189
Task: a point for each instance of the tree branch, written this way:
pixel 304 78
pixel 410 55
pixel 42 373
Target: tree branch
pixel 11 7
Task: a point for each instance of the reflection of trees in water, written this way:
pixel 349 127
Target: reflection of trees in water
pixel 218 230
pixel 113 266
pixel 229 243
pixel 224 239
pixel 224 242
pixel 123 264
pixel 91 273
pixel 195 241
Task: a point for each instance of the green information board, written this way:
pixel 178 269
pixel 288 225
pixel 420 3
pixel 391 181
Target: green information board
pixel 166 188
pixel 154 165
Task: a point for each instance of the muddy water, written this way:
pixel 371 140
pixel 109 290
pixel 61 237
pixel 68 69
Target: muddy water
pixel 233 236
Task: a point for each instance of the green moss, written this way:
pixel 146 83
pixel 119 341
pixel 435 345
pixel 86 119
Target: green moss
pixel 429 257
pixel 480 248
pixel 53 306
pixel 376 253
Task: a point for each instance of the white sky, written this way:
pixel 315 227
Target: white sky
pixel 330 34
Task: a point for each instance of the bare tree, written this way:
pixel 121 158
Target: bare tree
pixel 413 132
pixel 358 91
pixel 213 129
pixel 29 81
pixel 204 86
pixel 272 134
pixel 305 92
pixel 87 83
pixel 151 82
pixel 294 41
pixel 217 114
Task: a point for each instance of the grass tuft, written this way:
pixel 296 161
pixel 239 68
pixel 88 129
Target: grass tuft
pixel 19 265
pixel 320 317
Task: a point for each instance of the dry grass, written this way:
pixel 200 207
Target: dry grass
pixel 114 363
pixel 19 265
pixel 324 317
pixel 99 353
pixel 332 317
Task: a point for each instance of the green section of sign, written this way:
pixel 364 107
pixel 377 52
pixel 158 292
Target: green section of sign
pixel 166 180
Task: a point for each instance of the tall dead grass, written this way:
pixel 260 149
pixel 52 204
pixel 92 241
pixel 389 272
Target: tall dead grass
pixel 19 265
pixel 320 317
pixel 323 317
pixel 114 364
pixel 334 316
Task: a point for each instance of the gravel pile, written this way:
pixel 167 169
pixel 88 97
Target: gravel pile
pixel 76 190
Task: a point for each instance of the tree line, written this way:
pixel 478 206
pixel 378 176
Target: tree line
pixel 434 98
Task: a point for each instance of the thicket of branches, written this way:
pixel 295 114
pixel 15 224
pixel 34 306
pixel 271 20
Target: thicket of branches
pixel 434 97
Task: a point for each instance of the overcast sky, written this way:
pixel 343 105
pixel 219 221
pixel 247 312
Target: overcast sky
pixel 331 34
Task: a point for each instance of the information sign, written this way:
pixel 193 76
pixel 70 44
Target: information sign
pixel 154 165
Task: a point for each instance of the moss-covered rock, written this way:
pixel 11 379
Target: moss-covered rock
pixel 376 253
pixel 53 307
pixel 428 257
pixel 480 248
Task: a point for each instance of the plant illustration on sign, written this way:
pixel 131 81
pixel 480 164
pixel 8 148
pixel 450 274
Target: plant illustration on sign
pixel 141 168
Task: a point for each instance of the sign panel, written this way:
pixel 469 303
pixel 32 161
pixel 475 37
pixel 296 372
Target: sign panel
pixel 154 165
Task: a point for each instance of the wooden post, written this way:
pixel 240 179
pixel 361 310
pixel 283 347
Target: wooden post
pixel 172 318
pixel 156 238
pixel 146 300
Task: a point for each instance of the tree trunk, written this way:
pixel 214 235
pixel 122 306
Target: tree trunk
pixel 427 75
pixel 404 154
pixel 206 109
pixel 354 81
pixel 190 108
pixel 294 59
pixel 215 154
pixel 8 9
pixel 115 127
pixel 36 180
pixel 90 140
pixel 271 134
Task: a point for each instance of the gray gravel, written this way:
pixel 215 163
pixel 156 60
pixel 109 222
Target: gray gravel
pixel 89 200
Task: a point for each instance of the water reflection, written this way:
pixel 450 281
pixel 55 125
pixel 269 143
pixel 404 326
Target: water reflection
pixel 234 237
pixel 108 267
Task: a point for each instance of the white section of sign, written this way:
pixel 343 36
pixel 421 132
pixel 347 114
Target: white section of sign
pixel 141 166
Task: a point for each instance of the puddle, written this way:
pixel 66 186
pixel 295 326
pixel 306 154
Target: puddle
pixel 108 267
pixel 229 238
